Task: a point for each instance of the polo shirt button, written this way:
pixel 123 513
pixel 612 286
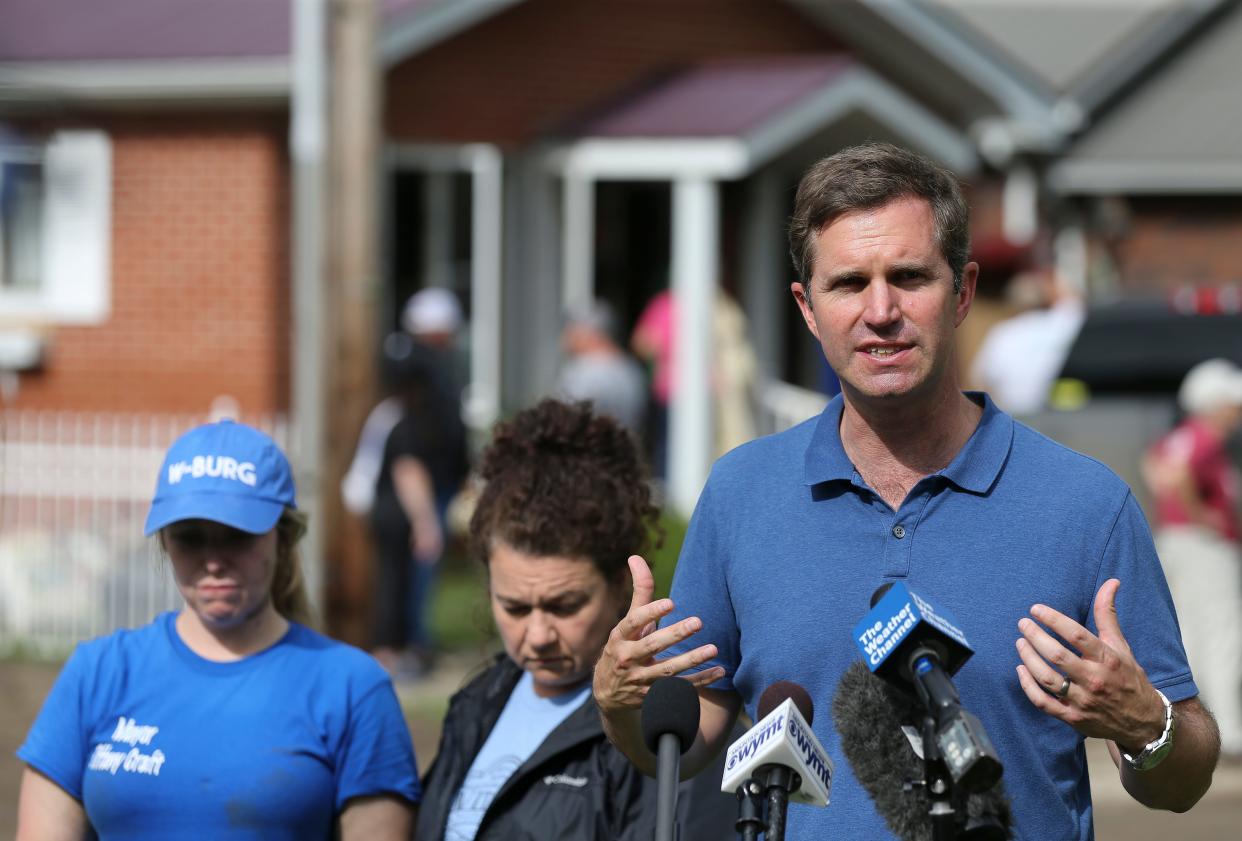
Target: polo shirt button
pixel 899 532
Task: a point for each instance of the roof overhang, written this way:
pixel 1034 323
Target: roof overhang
pixel 427 26
pixel 915 46
pixel 854 90
pixel 248 80
pixel 1153 177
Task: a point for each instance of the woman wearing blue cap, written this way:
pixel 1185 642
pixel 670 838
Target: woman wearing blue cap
pixel 229 718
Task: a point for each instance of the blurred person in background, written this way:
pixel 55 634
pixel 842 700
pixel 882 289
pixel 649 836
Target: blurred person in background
pixel 598 371
pixel 652 341
pixel 421 468
pixel 1196 491
pixel 418 373
pixel 1021 356
pixel 522 753
pixel 230 718
pixel 432 319
pixel 735 369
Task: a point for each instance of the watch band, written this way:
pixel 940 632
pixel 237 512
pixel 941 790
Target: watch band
pixel 1155 752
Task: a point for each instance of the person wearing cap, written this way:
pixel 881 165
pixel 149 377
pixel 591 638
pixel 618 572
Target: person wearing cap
pixel 409 463
pixel 421 467
pixel 229 718
pixel 1195 486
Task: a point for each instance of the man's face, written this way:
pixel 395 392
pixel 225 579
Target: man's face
pixel 882 303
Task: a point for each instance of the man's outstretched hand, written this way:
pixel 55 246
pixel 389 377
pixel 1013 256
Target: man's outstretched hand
pixel 628 665
pixel 1109 695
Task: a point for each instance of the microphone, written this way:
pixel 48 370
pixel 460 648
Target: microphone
pixel 870 717
pixel 782 754
pixel 670 722
pixel 916 646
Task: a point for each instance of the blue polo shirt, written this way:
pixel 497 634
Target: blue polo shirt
pixel 787 544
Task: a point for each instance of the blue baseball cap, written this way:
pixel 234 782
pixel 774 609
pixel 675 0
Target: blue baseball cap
pixel 226 472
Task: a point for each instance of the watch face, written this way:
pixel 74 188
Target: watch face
pixel 1148 760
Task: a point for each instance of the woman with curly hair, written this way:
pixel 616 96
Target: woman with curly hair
pixel 522 753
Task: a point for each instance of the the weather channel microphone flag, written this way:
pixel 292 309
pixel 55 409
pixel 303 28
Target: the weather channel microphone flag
pixel 782 737
pixel 897 621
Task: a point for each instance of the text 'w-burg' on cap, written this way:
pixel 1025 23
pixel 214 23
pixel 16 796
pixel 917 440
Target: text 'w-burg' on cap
pixel 225 472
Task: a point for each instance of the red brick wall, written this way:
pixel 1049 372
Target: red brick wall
pixel 518 74
pixel 200 275
pixel 1171 242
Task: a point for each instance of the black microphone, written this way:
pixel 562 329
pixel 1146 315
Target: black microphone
pixel 670 720
pixel 779 759
pixel 916 646
pixel 779 780
pixel 869 715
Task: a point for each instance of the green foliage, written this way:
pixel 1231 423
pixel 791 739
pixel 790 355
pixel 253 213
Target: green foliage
pixel 460 619
pixel 664 559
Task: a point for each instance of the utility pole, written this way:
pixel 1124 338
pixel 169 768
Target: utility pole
pixel 350 337
pixel 308 146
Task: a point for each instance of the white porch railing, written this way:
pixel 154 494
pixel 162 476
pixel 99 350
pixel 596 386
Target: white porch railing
pixel 74 491
pixel 782 405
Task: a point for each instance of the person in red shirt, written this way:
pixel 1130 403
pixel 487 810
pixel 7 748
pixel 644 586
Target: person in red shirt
pixel 1196 490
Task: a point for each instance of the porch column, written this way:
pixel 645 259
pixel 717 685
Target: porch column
pixel 764 284
pixel 578 241
pixel 438 228
pixel 482 404
pixel 695 253
pixel 308 150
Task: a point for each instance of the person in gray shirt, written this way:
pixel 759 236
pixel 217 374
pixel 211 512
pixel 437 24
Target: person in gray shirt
pixel 598 370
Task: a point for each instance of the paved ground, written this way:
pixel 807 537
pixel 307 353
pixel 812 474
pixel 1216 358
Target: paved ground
pixel 1217 817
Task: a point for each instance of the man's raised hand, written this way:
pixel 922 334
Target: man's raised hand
pixel 628 665
pixel 1109 695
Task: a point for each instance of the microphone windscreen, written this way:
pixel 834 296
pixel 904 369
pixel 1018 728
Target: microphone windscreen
pixel 776 694
pixel 671 706
pixel 868 714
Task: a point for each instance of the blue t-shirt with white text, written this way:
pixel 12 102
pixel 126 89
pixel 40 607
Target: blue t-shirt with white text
pixel 157 742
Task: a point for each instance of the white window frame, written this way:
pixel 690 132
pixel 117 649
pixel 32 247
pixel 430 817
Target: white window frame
pixel 75 286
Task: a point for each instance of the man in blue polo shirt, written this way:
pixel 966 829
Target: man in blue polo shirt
pixel 1041 552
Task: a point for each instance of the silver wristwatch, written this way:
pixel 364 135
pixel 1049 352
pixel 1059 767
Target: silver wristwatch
pixel 1155 752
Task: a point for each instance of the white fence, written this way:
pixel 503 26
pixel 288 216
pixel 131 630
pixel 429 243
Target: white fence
pixel 782 405
pixel 74 492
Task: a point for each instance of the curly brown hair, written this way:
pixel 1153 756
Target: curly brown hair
pixel 564 482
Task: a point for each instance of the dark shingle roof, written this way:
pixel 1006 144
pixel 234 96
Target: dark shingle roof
pixel 718 99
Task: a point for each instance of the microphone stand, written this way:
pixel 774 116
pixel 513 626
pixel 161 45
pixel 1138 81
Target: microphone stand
pixel 779 781
pixel 749 811
pixel 939 785
pixel 669 768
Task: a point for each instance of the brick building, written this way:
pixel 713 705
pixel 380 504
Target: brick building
pixel 539 152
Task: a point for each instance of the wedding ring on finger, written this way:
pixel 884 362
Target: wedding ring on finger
pixel 1064 690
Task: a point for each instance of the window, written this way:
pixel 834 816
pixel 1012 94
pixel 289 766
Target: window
pixel 55 228
pixel 21 219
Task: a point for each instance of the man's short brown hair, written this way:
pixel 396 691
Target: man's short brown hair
pixel 868 176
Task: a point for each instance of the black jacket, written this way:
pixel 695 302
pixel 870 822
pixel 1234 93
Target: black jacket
pixel 575 787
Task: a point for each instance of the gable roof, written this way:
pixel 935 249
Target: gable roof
pixel 1179 132
pixel 728 117
pixel 1058 41
pixel 717 98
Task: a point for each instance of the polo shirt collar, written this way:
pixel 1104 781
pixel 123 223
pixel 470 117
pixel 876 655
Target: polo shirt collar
pixel 973 469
